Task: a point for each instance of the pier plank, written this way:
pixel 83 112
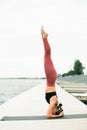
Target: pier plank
pixel 76 90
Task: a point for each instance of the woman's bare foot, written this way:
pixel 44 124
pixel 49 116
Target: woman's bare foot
pixel 43 33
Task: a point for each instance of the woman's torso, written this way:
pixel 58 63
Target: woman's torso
pixel 50 89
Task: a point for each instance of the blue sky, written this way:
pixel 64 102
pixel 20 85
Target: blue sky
pixel 21 47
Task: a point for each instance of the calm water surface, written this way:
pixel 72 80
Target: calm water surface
pixel 10 88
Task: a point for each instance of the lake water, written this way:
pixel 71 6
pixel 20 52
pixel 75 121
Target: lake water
pixel 10 88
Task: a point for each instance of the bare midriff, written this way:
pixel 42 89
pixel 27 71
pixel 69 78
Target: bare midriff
pixel 50 89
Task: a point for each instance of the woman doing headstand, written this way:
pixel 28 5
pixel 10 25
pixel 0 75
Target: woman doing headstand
pixel 50 92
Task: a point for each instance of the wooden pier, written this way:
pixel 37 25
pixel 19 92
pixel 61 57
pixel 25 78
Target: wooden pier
pixel 28 112
pixel 79 88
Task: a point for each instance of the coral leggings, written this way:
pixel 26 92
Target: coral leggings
pixel 50 71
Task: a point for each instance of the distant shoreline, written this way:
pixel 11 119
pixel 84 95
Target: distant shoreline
pixel 23 78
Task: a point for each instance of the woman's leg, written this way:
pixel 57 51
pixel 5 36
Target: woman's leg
pixel 50 71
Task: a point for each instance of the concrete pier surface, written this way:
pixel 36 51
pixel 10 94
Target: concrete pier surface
pixel 28 111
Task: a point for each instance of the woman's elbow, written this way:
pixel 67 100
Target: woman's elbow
pixel 49 115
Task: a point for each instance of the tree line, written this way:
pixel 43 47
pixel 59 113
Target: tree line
pixel 77 69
